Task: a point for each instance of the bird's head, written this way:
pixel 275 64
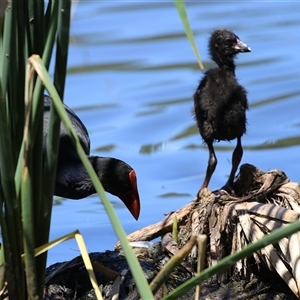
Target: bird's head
pixel 224 45
pixel 119 179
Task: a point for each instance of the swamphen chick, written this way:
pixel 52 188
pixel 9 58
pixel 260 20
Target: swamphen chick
pixel 220 102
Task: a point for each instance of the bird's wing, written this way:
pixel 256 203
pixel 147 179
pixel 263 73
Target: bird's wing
pixel 78 126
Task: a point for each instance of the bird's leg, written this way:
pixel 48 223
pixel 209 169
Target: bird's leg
pixel 212 163
pixel 236 159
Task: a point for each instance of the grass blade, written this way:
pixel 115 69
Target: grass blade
pixel 12 237
pixel 185 21
pixel 52 148
pixel 28 211
pixel 133 263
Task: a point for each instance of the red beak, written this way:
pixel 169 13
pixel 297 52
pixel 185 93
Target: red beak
pixel 131 199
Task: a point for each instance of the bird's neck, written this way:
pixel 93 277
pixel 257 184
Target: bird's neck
pixel 73 181
pixel 230 66
pixel 226 63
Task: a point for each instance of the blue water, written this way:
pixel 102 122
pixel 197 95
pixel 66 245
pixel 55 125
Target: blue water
pixel 131 77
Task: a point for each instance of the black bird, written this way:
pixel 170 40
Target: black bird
pixel 72 180
pixel 220 102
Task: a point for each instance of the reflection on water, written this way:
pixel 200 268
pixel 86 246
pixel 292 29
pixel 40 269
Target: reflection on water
pixel 131 78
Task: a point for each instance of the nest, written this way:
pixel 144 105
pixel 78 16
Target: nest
pixel 265 202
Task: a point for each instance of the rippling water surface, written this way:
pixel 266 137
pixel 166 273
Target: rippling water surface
pixel 131 77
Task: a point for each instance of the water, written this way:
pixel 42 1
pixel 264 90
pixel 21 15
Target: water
pixel 131 77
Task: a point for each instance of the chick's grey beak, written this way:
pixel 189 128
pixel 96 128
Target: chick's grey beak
pixel 241 47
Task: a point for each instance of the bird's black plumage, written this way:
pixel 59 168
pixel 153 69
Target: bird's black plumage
pixel 72 180
pixel 220 102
